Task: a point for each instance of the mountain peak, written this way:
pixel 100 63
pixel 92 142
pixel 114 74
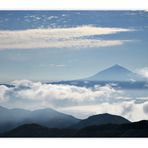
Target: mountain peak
pixel 117 66
pixel 113 73
pixel 101 119
pixel 3 108
pixel 106 116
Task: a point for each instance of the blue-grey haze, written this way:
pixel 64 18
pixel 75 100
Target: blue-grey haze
pixel 39 64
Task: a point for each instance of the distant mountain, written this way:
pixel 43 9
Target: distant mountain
pixel 11 118
pixel 100 120
pixel 115 73
pixel 51 118
pixel 135 129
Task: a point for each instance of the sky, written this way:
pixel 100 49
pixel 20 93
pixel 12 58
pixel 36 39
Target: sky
pixel 66 45
pixel 37 46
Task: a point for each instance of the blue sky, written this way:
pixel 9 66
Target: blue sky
pixel 61 45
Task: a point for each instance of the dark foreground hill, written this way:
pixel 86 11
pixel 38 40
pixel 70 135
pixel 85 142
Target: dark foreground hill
pixel 137 129
pixel 35 130
pixel 101 119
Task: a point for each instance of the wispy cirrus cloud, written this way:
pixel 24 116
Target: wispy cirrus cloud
pixel 53 65
pixel 75 37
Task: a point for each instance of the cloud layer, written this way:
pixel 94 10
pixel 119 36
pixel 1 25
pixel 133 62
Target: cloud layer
pixel 78 101
pixel 78 37
pixel 143 72
pixel 60 92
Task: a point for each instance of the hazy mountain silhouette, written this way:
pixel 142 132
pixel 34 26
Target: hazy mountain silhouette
pixel 11 118
pixel 51 118
pixel 117 76
pixel 115 73
pixel 100 120
pixel 50 123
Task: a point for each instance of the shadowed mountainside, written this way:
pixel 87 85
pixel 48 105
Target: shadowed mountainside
pixel 50 123
pixel 100 120
pixel 136 129
pixel 36 130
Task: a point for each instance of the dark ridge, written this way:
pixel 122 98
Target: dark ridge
pixel 135 129
pixel 35 130
pixel 101 119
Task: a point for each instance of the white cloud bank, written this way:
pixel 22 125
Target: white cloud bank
pixel 3 95
pixel 76 37
pixel 78 101
pixel 143 72
pixel 52 92
pixel 129 110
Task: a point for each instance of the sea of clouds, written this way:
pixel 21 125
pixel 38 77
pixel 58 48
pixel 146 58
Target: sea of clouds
pixel 78 101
